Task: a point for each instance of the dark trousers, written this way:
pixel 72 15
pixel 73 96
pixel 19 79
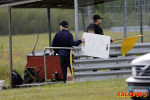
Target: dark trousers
pixel 64 62
pixel 95 58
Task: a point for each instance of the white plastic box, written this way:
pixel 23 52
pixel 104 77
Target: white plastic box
pixel 2 82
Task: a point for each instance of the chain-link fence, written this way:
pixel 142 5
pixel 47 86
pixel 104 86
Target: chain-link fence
pixel 127 18
pixel 85 14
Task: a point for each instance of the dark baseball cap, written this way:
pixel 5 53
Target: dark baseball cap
pixel 64 23
pixel 95 17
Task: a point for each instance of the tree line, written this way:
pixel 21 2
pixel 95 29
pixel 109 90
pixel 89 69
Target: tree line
pixel 28 21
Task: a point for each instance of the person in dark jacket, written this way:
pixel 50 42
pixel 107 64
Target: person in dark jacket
pixel 64 39
pixel 95 26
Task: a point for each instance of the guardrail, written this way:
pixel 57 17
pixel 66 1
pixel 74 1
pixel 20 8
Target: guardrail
pixel 83 67
pixel 115 50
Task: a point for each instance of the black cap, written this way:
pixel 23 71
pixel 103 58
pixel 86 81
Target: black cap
pixel 64 24
pixel 95 17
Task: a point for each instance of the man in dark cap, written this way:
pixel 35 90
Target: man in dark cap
pixel 94 27
pixel 64 39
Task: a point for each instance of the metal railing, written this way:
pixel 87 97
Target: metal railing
pixel 84 66
pixel 45 58
pixel 115 50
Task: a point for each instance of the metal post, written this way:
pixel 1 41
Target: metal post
pixel 125 19
pixel 49 26
pixel 141 30
pixel 90 14
pixel 83 20
pixel 76 18
pixel 10 46
pixel 45 69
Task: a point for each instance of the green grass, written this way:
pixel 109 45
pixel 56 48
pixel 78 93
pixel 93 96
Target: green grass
pixel 22 46
pixel 98 90
pixel 23 41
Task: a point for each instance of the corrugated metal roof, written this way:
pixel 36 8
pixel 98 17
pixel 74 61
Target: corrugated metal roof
pixel 69 4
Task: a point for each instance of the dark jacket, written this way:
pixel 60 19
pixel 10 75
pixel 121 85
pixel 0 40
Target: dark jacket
pixel 96 28
pixel 64 39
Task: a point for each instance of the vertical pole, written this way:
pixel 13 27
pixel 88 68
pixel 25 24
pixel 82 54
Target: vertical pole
pixel 83 20
pixel 10 46
pixel 76 18
pixel 125 19
pixel 45 69
pixel 49 26
pixel 141 30
pixel 90 14
pixel 148 6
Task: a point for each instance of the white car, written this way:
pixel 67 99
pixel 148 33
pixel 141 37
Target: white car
pixel 139 82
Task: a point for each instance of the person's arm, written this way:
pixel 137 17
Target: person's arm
pixel 74 43
pixel 112 40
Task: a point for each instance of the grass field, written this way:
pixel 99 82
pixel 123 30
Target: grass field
pixel 22 46
pixel 98 90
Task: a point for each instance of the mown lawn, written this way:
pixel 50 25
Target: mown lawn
pixel 98 90
pixel 22 46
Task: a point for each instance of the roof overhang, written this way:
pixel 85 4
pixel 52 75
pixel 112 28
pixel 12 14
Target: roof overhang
pixel 66 4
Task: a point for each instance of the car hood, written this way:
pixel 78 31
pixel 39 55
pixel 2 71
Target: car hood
pixel 142 60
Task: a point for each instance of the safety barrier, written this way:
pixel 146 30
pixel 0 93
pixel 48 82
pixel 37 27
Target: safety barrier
pixel 116 66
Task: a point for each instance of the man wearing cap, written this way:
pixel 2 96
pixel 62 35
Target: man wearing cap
pixel 64 39
pixel 95 26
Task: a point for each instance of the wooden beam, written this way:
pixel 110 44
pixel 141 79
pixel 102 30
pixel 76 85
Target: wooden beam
pixel 18 3
pixel 47 4
pixel 41 3
pixel 67 4
pixel 63 7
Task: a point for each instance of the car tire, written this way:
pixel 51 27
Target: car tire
pixel 136 98
pixel 140 98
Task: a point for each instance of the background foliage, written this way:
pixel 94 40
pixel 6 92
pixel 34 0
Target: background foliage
pixel 28 21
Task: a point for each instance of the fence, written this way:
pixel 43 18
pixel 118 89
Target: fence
pixel 125 14
pixel 83 67
pixel 116 66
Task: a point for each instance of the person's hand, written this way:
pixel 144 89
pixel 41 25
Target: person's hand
pixel 82 40
pixel 112 40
